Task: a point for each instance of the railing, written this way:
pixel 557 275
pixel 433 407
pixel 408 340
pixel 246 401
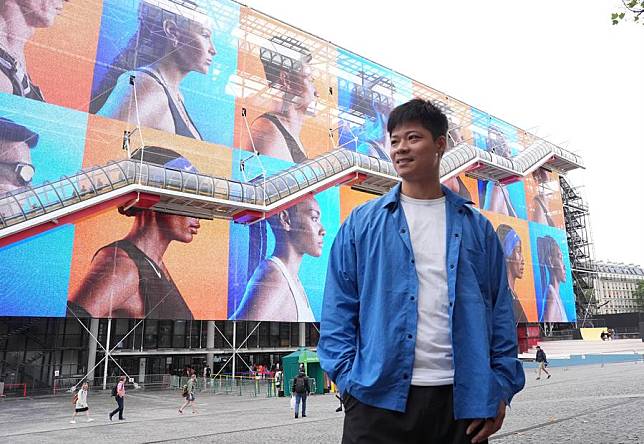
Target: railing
pixel 31 202
pixel 65 383
pixel 13 390
pixel 230 385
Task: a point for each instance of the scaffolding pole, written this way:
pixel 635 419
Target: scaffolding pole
pixel 234 346
pixel 580 248
pixel 107 352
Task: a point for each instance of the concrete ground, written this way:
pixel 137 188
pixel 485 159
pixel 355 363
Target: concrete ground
pixel 588 404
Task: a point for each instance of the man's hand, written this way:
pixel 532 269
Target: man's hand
pixel 490 426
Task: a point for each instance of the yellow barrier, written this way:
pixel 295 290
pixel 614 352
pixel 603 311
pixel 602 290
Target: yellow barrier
pixel 591 334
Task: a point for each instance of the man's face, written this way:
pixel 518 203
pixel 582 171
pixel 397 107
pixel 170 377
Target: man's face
pixel 197 50
pixel 303 87
pixel 307 232
pixel 415 153
pixel 179 228
pixel 40 13
pixel 558 267
pixel 13 157
pixel 516 263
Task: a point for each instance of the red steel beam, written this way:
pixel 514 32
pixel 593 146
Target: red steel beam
pixel 250 216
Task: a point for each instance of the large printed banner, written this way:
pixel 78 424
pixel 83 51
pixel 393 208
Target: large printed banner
pixel 218 88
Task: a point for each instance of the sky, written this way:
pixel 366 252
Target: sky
pixel 558 69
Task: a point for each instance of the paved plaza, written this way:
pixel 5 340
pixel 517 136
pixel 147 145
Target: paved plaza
pixel 583 404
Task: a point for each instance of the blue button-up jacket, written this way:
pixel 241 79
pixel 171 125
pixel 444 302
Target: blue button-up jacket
pixel 370 313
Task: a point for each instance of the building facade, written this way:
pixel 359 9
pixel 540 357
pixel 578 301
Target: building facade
pixel 238 276
pixel 55 352
pixel 615 286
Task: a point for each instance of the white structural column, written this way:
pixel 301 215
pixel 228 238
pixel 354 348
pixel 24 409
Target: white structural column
pixel 210 343
pixel 91 358
pixel 107 352
pixel 302 336
pixel 142 362
pixel 234 346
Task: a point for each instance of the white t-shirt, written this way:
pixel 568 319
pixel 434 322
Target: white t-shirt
pixel 433 359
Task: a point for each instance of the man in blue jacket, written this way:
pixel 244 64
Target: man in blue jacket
pixel 417 326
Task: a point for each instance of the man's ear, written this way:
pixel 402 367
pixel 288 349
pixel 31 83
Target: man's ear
pixel 441 145
pixel 171 31
pixel 285 220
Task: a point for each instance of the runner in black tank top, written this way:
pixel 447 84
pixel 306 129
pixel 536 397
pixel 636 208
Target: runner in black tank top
pixel 297 154
pixel 161 297
pixel 545 210
pixel 180 126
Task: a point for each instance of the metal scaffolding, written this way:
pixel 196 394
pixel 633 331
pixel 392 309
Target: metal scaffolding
pixel 580 249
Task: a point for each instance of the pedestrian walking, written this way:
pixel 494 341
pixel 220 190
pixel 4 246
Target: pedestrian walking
pixel 119 394
pixel 301 390
pixel 80 403
pixel 543 363
pixel 417 326
pixel 206 376
pixel 279 376
pixel 189 394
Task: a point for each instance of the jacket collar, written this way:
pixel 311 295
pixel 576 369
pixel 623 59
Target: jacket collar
pixel 391 200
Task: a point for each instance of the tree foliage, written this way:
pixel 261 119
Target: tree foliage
pixel 634 11
pixel 639 295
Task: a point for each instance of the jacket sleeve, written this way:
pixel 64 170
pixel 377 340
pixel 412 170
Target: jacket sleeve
pixel 340 307
pixel 503 353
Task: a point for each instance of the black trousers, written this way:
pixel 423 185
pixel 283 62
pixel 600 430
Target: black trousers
pixel 429 418
pixel 119 409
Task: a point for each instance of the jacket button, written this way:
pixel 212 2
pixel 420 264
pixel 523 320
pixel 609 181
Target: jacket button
pixel 413 298
pixel 405 376
pixel 456 235
pixel 451 267
pixel 409 336
pixel 451 304
pixel 403 231
pixel 413 261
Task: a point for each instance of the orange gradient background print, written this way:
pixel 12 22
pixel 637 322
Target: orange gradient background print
pixel 350 199
pixel 254 94
pixel 198 268
pixel 61 58
pixel 524 287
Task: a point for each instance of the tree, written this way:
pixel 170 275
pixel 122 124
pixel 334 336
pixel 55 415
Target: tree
pixel 634 8
pixel 639 295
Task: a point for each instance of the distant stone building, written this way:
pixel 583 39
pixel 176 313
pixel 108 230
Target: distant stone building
pixel 615 286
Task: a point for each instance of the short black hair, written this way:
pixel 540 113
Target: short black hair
pixel 502 230
pixel 419 111
pixel 13 132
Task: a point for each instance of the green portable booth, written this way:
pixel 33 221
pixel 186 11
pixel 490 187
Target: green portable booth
pixel 291 364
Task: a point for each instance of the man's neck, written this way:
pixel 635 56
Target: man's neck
pixel 422 190
pixel 291 259
pixel 151 242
